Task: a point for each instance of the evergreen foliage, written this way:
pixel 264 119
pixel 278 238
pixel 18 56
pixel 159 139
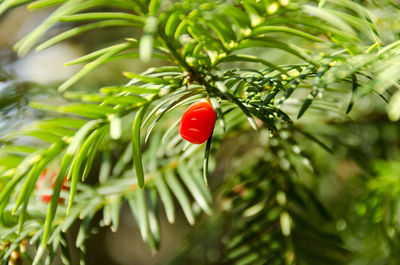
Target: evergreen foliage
pixel 283 77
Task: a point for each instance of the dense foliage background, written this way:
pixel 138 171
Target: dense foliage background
pixel 302 167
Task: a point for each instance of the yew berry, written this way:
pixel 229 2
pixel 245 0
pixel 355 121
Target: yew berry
pixel 197 122
pixel 47 198
pixel 64 184
pixel 46 183
pixel 42 177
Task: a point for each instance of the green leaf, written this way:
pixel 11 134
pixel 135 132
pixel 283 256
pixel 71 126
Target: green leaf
pixel 146 41
pixel 65 254
pixel 387 75
pixel 169 132
pixel 51 210
pixel 33 175
pixel 22 217
pixel 179 102
pixel 22 168
pixel 69 220
pixel 140 90
pixel 60 131
pixel 151 154
pixel 182 27
pixel 313 25
pixel 92 65
pixel 92 111
pixel 206 159
pixel 93 153
pixel 324 14
pixel 230 97
pixel 65 164
pixel 318 87
pixel 8 4
pixel 154 5
pixel 79 30
pixel 123 161
pixel 145 79
pixel 115 212
pixel 10 162
pixel 166 197
pixel 180 195
pixel 321 3
pixel 293 85
pixel 129 100
pixel 205 190
pixel 238 16
pixel 224 33
pixel 136 90
pixel 115 127
pixel 61 122
pixel 265 42
pixel 161 104
pixel 95 203
pixel 173 22
pixel 16 243
pixel 69 7
pixel 136 146
pixel 82 154
pixel 24 45
pixel 354 88
pixel 138 7
pixel 249 58
pixel 44 4
pixel 80 135
pixel 267 29
pixel 105 168
pixel 393 108
pixel 83 232
pixel 109 16
pixel 217 107
pixel 254 16
pixel 364 24
pixel 107 214
pixel 98 53
pixel 138 207
pixel 153 218
pixel 17 149
pixel 196 192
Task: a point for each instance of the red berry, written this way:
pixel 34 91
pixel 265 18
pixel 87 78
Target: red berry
pixel 41 179
pixel 197 122
pixel 63 187
pixel 46 180
pixel 46 198
pixel 44 172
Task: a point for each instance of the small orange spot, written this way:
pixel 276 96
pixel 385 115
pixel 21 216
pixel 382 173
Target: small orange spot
pixel 46 198
pixel 239 189
pixel 42 177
